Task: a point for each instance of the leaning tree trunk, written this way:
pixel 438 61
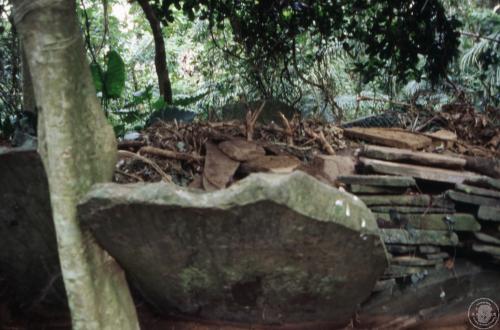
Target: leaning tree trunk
pixel 160 54
pixel 78 149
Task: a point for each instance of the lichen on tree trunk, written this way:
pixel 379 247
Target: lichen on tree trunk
pixel 78 149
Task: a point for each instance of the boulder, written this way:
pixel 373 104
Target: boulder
pixel 30 274
pixel 269 249
pixel 270 112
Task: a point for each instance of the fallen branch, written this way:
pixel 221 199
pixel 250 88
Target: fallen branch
pixel 288 129
pixel 251 119
pixel 128 154
pixel 171 154
pixel 322 139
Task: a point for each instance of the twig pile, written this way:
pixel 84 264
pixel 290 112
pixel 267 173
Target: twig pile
pixel 172 151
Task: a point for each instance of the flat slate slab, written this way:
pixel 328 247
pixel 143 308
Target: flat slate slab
pixel 391 137
pixel 484 181
pixel 419 200
pixel 461 197
pixel 379 180
pixel 269 249
pixel 417 171
pixel 489 213
pixel 414 157
pixel 461 221
pixel 410 209
pixel 418 237
pixel 379 190
pixel 29 264
pixel 477 191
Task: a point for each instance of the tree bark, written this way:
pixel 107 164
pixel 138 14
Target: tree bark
pixel 160 54
pixel 29 103
pixel 78 149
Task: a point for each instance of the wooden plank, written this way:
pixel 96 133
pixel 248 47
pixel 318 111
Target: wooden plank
pixel 414 157
pixel 417 171
pixel 389 137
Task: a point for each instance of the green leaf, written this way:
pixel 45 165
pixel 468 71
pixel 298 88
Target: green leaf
pixel 115 75
pixel 187 101
pixel 97 76
pixel 159 104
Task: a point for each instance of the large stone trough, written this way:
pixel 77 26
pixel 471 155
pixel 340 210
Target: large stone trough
pixel 269 249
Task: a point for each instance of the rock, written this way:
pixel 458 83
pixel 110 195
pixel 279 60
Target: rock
pixel 484 181
pixel 429 249
pixel 30 274
pixel 241 150
pixel 489 213
pixel 437 256
pixel 489 249
pixel 416 171
pixel 418 237
pixel 379 180
pixel 443 135
pixel 360 189
pixel 472 199
pixel 443 295
pixel 413 261
pixel 408 200
pixel 219 169
pixel 413 157
pixel 131 136
pixel 384 285
pixel 397 271
pixel 400 249
pixel 459 221
pixel 488 166
pixel 390 137
pixel 274 164
pixel 477 191
pixel 270 112
pixel 269 249
pixel 487 238
pixel 409 209
pixel 334 166
pixel 170 113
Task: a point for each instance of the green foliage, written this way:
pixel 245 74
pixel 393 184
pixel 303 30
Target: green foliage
pixel 114 78
pixel 110 82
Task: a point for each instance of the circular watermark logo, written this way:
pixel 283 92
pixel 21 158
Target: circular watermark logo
pixel 483 313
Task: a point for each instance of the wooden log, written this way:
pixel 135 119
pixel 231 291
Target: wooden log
pixel 417 171
pixel 407 156
pixel 389 137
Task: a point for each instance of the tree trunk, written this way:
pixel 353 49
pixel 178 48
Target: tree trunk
pixel 160 55
pixel 29 103
pixel 78 149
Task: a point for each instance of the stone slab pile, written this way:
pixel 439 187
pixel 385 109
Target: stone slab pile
pixel 429 209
